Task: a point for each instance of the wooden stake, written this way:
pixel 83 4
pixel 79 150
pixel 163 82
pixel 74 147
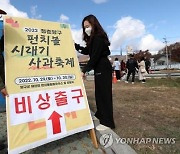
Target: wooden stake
pixel 93 138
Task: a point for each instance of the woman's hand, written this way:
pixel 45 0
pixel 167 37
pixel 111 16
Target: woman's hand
pixel 83 76
pixel 77 46
pixel 4 92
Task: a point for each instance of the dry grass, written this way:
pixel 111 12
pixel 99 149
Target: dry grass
pixel 150 110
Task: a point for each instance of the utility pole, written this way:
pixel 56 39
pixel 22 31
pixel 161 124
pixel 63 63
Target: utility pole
pixel 167 61
pixel 121 51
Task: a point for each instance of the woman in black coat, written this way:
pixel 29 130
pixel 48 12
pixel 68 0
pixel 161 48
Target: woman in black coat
pixel 97 47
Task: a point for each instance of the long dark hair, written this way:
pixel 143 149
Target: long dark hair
pixel 96 30
pixel 142 58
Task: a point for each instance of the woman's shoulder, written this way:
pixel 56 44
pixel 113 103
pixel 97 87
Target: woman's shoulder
pixel 97 40
pixel 97 37
pixel 100 40
pixel 143 61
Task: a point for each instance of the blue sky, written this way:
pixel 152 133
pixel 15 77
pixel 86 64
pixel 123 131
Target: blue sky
pixel 140 24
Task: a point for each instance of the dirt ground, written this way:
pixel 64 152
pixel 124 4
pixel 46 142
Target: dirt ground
pixel 150 110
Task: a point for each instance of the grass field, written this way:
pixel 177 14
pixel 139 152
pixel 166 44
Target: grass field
pixel 150 110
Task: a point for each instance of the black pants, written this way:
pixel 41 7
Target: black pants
pixel 129 73
pixel 147 69
pixel 118 74
pixel 103 93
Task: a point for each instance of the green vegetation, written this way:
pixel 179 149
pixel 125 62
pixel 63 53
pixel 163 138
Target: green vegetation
pixel 164 82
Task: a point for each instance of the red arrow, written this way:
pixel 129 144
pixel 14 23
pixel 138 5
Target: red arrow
pixel 55 122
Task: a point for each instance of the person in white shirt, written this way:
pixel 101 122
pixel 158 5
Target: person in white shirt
pixel 116 66
pixel 142 70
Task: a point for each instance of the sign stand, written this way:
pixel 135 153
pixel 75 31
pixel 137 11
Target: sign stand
pixel 45 96
pixel 93 138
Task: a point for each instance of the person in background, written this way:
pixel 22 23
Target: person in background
pixel 97 47
pixel 142 70
pixel 123 69
pixel 116 66
pixel 123 65
pixel 131 66
pixel 2 74
pixel 147 64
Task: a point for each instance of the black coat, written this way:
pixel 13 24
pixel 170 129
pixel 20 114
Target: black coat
pixel 97 50
pixel 131 64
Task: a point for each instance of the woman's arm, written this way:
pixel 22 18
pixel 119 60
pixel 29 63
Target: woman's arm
pixel 80 49
pixel 96 47
pixel 2 88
